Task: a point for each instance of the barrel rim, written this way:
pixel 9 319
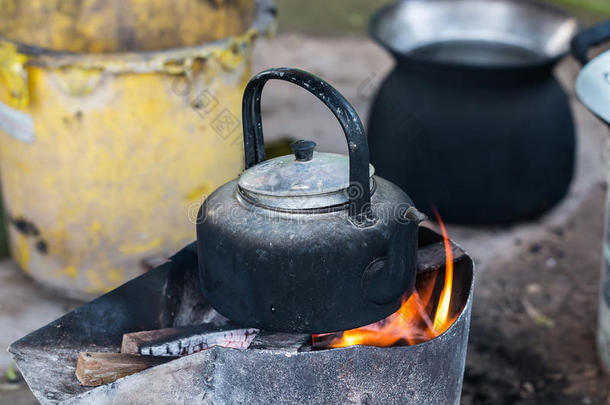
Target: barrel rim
pixel 152 61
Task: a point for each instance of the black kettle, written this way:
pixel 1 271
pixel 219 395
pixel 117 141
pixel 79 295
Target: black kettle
pixel 311 242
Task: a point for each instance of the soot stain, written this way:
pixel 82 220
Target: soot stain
pixel 25 227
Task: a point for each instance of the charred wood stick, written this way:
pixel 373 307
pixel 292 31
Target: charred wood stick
pixel 132 341
pixel 286 342
pixel 94 369
pixel 432 257
pixel 186 340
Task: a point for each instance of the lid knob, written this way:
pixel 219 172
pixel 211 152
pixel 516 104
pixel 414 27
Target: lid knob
pixel 303 150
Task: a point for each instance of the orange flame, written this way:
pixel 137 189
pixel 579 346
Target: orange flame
pixel 442 312
pixel 412 323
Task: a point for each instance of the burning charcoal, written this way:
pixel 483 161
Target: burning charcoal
pixel 93 369
pixel 187 340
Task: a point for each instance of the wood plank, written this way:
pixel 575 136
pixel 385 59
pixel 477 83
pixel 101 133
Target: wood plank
pixel 132 341
pixel 94 369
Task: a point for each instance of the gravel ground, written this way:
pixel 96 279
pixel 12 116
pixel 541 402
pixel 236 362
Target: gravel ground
pixel 534 314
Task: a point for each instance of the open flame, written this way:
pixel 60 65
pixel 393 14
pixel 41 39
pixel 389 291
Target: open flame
pixel 417 320
pixel 442 312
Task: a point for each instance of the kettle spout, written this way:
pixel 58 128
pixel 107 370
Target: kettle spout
pixel 414 215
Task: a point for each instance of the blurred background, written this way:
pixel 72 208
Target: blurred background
pixel 351 17
pixel 534 319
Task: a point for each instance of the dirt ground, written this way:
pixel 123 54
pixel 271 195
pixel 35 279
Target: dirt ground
pixel 532 336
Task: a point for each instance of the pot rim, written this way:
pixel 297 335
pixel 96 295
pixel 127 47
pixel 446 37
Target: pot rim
pixel 171 60
pixel 567 27
pixel 590 87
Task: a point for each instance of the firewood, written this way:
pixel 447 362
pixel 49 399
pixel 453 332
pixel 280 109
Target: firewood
pixel 94 369
pixel 286 342
pixel 187 340
pixel 132 341
pixel 432 257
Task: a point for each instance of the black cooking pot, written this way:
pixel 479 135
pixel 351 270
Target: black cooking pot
pixel 471 120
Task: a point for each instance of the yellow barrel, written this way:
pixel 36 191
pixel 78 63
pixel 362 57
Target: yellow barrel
pixel 117 117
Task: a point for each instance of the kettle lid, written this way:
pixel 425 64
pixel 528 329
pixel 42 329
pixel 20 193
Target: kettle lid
pixel 307 180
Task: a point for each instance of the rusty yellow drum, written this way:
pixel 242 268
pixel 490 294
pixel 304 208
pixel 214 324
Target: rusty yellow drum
pixel 117 118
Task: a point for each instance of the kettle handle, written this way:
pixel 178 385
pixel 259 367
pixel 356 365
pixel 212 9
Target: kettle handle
pixel 588 38
pixel 359 190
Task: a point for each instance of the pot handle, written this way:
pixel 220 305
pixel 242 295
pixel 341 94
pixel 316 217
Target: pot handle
pixel 359 190
pixel 588 38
